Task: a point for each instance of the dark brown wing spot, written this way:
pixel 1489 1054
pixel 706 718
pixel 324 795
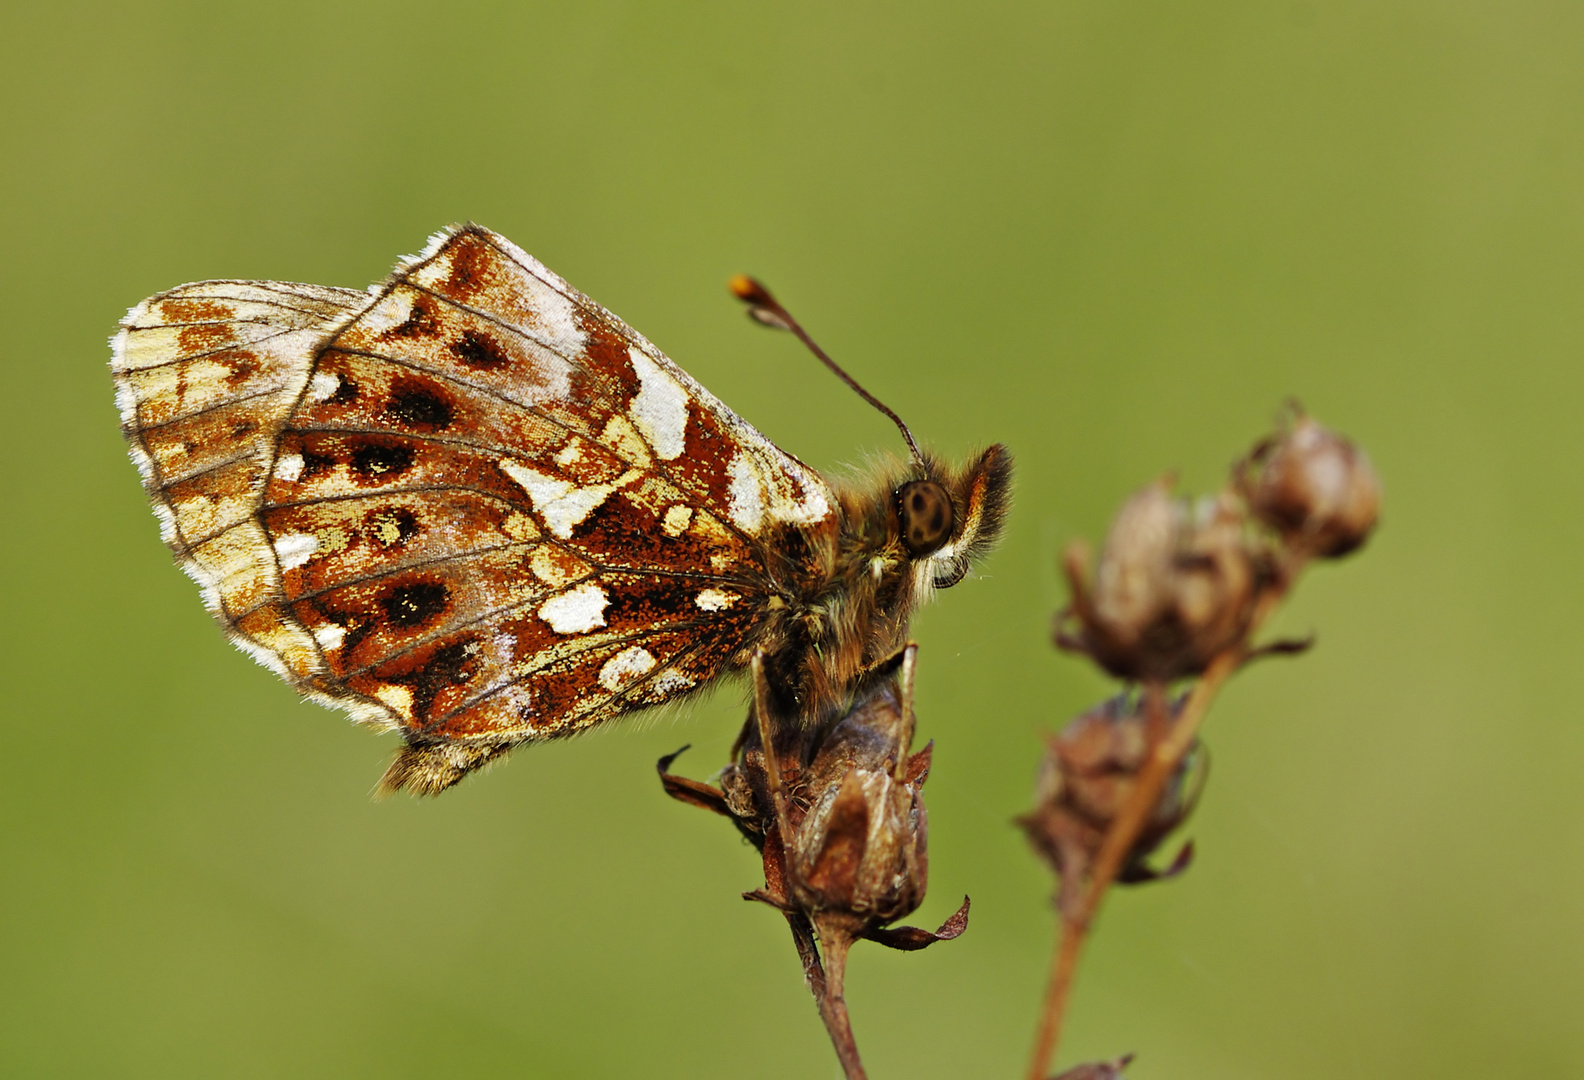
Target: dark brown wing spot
pixel 415 603
pixel 419 406
pixel 389 528
pixel 375 460
pixel 924 512
pixel 357 627
pixel 314 464
pixel 346 392
pixel 420 322
pixel 449 665
pixel 478 351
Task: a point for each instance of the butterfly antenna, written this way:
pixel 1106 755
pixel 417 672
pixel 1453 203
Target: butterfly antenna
pixel 765 309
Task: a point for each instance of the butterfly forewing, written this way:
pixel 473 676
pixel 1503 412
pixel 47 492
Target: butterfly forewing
pixel 474 505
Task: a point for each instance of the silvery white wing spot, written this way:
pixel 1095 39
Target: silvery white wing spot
pixel 474 506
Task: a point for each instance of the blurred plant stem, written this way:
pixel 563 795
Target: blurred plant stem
pixel 1169 745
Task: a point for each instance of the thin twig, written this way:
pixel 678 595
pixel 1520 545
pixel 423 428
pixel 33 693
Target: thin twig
pixel 1165 755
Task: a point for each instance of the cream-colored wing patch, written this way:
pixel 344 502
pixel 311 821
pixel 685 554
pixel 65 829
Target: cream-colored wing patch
pixel 206 376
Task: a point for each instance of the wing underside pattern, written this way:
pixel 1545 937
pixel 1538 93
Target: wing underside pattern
pixel 474 506
pixel 206 376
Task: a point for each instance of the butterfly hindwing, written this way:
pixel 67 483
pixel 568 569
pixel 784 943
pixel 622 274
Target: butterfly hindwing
pixel 206 375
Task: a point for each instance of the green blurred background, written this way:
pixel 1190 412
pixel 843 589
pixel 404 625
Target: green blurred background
pixel 1114 236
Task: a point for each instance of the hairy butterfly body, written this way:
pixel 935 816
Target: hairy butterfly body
pixel 473 506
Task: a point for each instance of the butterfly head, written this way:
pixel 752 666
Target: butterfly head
pixel 941 518
pixel 945 518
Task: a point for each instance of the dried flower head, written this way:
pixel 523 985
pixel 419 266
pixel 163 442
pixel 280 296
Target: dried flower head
pixel 1089 773
pixel 1314 487
pixel 836 810
pixel 1179 594
pixel 860 849
pixel 1176 584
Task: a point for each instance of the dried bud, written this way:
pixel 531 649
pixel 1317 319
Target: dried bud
pixel 860 847
pixel 1087 777
pixel 844 844
pixel 1175 586
pixel 1314 487
pixel 1133 584
pixel 833 804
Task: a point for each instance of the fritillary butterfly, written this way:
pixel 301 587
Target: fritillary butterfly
pixel 473 506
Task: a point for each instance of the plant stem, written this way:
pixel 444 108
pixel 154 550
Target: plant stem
pixel 1064 963
pixel 1074 925
pixel 833 1004
pixel 808 952
pixel 1163 760
pixel 1165 754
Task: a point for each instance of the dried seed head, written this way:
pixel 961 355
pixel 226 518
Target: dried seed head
pixel 1085 780
pixel 1175 586
pixel 1217 579
pixel 1133 584
pixel 837 813
pixel 1315 487
pixel 860 848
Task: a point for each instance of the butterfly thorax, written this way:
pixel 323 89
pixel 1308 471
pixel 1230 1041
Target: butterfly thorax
pixel 846 591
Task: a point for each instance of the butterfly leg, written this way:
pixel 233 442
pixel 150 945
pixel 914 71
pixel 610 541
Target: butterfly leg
pixel 905 661
pixel 869 677
pixel 692 792
pixel 762 712
pixel 905 729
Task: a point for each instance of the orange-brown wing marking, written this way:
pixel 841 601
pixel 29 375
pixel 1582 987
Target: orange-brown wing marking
pixel 502 515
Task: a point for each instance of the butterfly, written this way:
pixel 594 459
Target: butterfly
pixel 473 506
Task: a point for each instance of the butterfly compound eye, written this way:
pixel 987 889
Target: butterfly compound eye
pixel 924 511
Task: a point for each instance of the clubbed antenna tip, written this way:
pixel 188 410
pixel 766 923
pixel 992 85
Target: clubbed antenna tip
pixel 766 310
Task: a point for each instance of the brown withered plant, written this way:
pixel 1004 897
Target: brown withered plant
pixel 1177 596
pixel 836 811
pixel 1098 1070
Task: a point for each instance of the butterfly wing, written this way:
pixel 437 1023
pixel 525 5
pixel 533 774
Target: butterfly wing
pixel 206 376
pixel 493 513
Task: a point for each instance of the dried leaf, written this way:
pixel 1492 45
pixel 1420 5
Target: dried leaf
pixel 913 938
pixel 1097 1070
